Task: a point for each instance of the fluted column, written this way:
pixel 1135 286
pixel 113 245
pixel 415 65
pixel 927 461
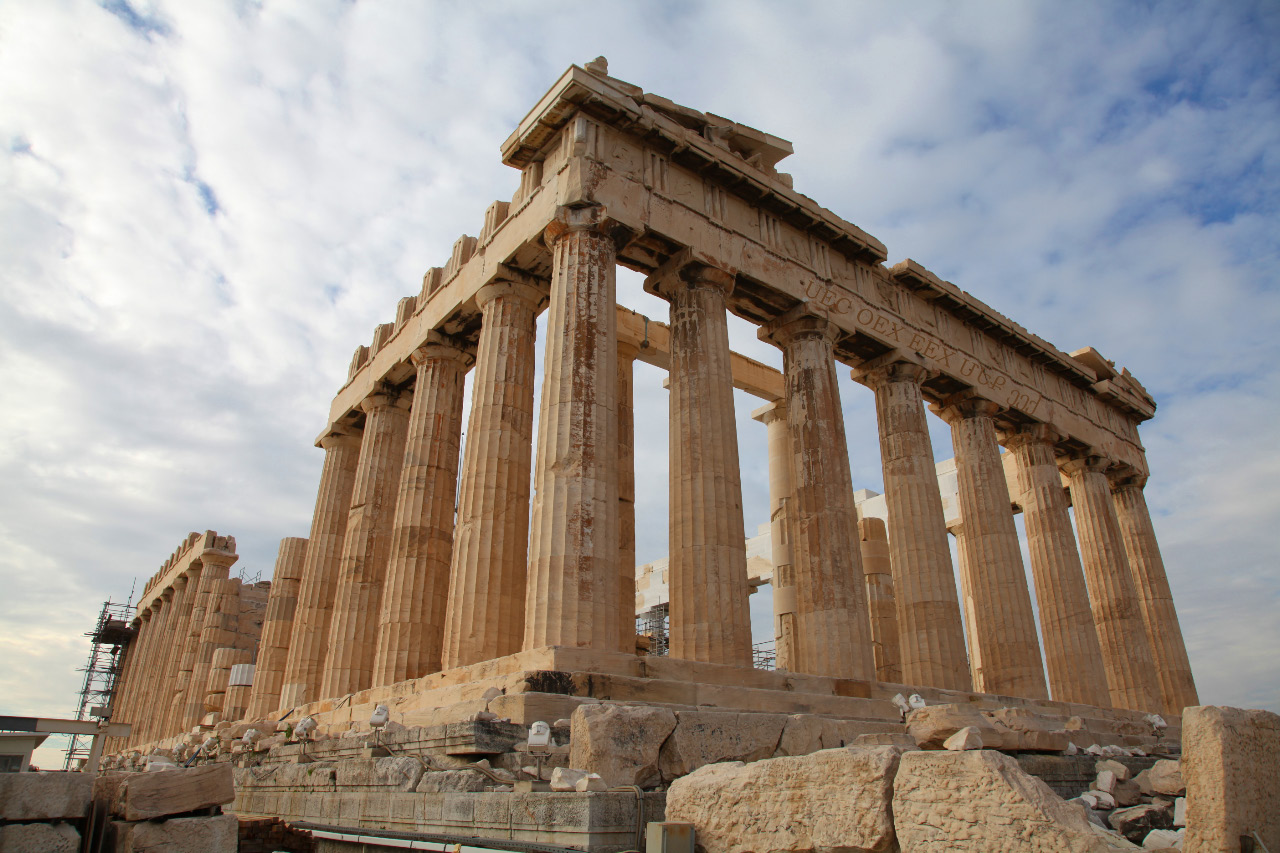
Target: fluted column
pixel 411 625
pixel 219 677
pixel 124 684
pixel 357 599
pixel 572 594
pixel 486 605
pixel 833 632
pixel 774 417
pixel 307 645
pixel 1006 653
pixel 179 623
pixel 710 614
pixel 222 613
pixel 626 500
pixel 928 611
pixel 881 607
pixel 1072 655
pixel 235 703
pixel 140 692
pixel 1126 651
pixel 149 715
pixel 189 641
pixel 1155 599
pixel 277 628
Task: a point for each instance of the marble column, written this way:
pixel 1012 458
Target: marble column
pixel 140 693
pixel 881 607
pixel 710 614
pixel 1005 657
pixel 221 618
pixel 930 629
pixel 198 589
pixel 626 500
pixel 572 594
pixel 149 715
pixel 1155 599
pixel 411 625
pixel 774 417
pixel 277 628
pixel 833 632
pixel 216 684
pixel 1126 651
pixel 484 617
pixel 179 625
pixel 304 668
pixel 123 688
pixel 1072 655
pixel 357 598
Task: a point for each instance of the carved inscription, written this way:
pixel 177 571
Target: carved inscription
pixel 842 303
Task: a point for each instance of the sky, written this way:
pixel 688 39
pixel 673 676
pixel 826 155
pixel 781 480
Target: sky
pixel 206 206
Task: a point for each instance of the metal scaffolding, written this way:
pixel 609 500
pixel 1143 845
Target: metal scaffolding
pixel 110 637
pixel 655 624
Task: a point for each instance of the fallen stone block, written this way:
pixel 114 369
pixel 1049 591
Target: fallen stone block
pixel 831 801
pixel 932 725
pixel 143 796
pixel 981 801
pixel 1136 821
pixel 39 838
pixel 710 737
pixel 44 796
pixel 1166 778
pixel 1162 839
pixel 1026 731
pixel 178 835
pixel 1106 781
pixel 1127 793
pixel 1180 811
pixel 566 779
pixel 1229 762
pixel 590 782
pixel 1120 771
pixel 620 742
pixel 966 738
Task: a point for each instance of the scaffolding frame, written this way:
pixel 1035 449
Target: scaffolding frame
pixel 109 640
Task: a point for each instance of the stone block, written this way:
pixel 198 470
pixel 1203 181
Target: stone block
pixel 710 737
pixel 620 742
pixel 143 796
pixel 981 801
pixel 932 725
pixel 1136 821
pixel 178 835
pixel 1162 839
pixel 1117 769
pixel 399 772
pixel 831 800
pixel 1127 793
pixel 44 796
pixel 39 838
pixel 966 738
pixel 566 779
pixel 1165 777
pixel 902 740
pixel 1229 761
pixel 801 735
pixel 448 781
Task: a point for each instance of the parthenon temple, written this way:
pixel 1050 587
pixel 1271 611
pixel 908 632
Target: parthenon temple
pixel 436 574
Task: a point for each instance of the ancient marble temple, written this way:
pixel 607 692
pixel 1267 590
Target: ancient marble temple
pixel 432 570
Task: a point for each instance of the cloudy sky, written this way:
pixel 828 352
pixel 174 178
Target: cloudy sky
pixel 206 206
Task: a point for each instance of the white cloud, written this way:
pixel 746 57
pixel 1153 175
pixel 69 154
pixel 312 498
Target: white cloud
pixel 206 207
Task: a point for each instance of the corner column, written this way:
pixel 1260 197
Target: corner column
pixel 931 634
pixel 1005 657
pixel 572 595
pixel 277 628
pixel 411 624
pixel 1072 655
pixel 626 500
pixel 774 417
pixel 833 633
pixel 307 644
pixel 1126 651
pixel 710 613
pixel 1173 669
pixel 485 615
pixel 357 599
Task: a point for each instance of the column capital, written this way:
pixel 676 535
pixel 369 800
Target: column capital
pixel 441 346
pixel 627 351
pixel 223 559
pixel 966 405
pixel 340 436
pixel 770 412
pixel 384 398
pixel 1125 477
pixel 803 321
pixel 593 218
pixel 1029 434
pixel 894 366
pixel 1091 463
pixel 688 269
pixel 514 282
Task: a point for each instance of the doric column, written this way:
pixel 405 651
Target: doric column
pixel 219 677
pixel 486 606
pixel 239 687
pixel 411 625
pixel 124 683
pixel 305 667
pixel 833 633
pixel 1005 657
pixel 928 611
pixel 1155 599
pixel 626 500
pixel 1071 652
pixel 179 624
pixel 710 614
pixel 357 599
pixel 1126 651
pixel 149 715
pixel 572 594
pixel 277 628
pixel 774 417
pixel 189 641
pixel 881 607
pixel 222 613
pixel 139 697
